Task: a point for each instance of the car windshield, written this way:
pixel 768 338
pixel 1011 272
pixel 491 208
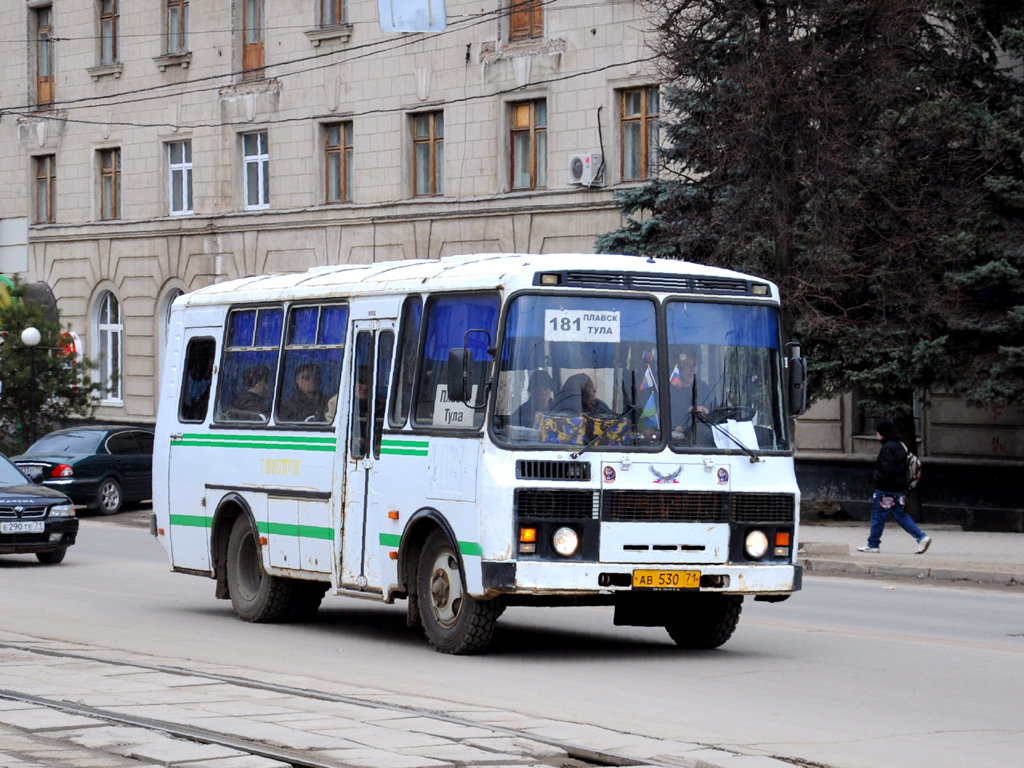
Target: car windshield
pixel 724 381
pixel 579 370
pixel 77 442
pixel 10 474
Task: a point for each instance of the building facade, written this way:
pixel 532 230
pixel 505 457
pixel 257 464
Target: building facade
pixel 152 148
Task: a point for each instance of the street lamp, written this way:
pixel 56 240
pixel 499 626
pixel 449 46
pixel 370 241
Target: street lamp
pixel 31 337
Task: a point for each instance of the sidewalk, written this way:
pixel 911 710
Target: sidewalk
pixel 955 555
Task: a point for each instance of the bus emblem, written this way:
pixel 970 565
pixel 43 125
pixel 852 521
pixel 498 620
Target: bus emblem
pixel 669 478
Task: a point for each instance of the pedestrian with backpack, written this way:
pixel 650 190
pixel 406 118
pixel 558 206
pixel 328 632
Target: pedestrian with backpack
pixel 890 495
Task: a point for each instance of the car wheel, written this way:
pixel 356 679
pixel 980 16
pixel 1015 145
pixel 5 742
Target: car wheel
pixel 109 497
pixel 53 557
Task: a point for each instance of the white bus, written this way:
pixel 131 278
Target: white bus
pixel 482 431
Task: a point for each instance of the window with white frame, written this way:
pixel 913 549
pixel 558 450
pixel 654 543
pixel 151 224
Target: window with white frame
pixel 640 125
pixel 109 331
pixel 109 32
pixel 256 159
pixel 179 157
pixel 177 26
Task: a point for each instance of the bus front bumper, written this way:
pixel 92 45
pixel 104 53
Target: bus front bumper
pixel 589 578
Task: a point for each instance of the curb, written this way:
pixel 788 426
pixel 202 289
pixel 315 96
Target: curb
pixel 848 566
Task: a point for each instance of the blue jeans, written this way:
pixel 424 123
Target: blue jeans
pixel 884 503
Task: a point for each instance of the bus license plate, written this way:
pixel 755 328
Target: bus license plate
pixel 666 579
pixel 35 526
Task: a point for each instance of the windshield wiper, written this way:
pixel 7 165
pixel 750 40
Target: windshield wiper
pixel 754 458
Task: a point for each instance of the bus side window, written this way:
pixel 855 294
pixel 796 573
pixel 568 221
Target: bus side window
pixel 245 386
pixel 385 350
pixel 311 369
pixel 408 343
pixel 448 318
pixel 195 383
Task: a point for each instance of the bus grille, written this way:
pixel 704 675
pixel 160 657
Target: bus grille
pixel 545 504
pixel 553 470
pixel 674 507
pixel 763 508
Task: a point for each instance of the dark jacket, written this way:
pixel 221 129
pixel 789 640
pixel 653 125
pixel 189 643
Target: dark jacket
pixel 891 465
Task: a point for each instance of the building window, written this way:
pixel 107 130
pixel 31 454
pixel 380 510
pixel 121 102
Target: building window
pixel 640 112
pixel 338 162
pixel 46 183
pixel 44 56
pixel 257 170
pixel 109 332
pixel 526 20
pixel 529 144
pixel 109 33
pixel 110 183
pixel 177 26
pixel 254 30
pixel 179 155
pixel 333 12
pixel 428 152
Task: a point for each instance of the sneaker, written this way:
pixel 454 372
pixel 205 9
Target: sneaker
pixel 923 544
pixel 867 549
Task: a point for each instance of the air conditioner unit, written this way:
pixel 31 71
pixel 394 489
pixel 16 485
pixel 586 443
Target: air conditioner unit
pixel 587 170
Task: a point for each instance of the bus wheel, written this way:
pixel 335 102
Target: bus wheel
pixel 255 595
pixel 453 621
pixel 306 598
pixel 705 621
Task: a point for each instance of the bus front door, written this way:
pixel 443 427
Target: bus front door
pixel 374 346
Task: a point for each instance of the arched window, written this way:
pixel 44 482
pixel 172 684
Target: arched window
pixel 162 328
pixel 109 334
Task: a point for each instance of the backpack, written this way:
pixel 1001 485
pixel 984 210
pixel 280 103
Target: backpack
pixel 913 469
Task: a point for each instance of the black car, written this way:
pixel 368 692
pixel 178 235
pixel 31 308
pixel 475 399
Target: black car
pixel 102 467
pixel 34 519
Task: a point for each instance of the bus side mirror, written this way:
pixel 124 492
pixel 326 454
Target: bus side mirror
pixel 797 380
pixel 459 363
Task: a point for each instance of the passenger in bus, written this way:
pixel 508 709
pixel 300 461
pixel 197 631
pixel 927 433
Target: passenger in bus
pixel 541 390
pixel 254 401
pixel 579 395
pixel 308 403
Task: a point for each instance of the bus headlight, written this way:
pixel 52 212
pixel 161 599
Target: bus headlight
pixel 565 541
pixel 756 545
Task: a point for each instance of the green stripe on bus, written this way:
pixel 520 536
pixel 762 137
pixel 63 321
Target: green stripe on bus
pixel 258 438
pixel 241 443
pixel 191 521
pixel 404 447
pixel 465 547
pixel 290 529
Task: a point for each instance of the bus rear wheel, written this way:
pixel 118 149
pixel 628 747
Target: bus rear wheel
pixel 705 621
pixel 255 595
pixel 453 621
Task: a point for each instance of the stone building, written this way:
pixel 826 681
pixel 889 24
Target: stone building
pixel 153 148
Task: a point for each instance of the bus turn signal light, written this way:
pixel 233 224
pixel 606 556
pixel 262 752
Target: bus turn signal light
pixel 527 540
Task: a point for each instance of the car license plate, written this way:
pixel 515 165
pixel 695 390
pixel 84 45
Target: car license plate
pixel 23 526
pixel 31 472
pixel 666 579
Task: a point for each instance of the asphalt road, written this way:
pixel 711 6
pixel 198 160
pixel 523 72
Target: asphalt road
pixel 848 673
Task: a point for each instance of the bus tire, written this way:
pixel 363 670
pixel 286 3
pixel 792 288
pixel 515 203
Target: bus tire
pixel 707 621
pixel 306 599
pixel 255 595
pixel 453 621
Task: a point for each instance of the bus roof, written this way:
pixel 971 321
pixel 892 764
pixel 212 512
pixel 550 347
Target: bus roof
pixel 486 270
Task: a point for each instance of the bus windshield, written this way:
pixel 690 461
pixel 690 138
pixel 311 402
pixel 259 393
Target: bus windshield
pixel 585 371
